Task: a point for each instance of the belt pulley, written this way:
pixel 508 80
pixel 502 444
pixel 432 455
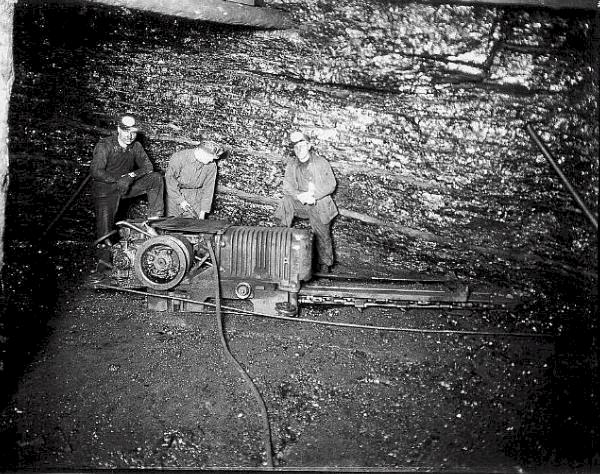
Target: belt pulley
pixel 162 262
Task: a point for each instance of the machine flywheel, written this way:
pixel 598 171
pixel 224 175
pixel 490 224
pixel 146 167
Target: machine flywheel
pixel 162 262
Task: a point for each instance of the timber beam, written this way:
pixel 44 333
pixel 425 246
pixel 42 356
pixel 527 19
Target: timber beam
pixel 552 4
pixel 217 11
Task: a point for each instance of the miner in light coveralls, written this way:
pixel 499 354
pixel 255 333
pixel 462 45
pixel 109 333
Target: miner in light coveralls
pixel 307 187
pixel 190 180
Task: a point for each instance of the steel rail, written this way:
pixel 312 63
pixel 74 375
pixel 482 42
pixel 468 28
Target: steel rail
pixel 538 141
pixel 388 304
pixel 389 296
pixel 381 279
pixel 243 312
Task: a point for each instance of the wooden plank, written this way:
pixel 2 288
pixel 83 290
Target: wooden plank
pixel 244 2
pixel 271 201
pixel 553 4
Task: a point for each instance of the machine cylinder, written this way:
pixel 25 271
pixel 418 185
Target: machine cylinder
pixel 270 254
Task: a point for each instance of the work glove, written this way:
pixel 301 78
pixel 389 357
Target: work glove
pixel 306 198
pixel 124 183
pixel 186 206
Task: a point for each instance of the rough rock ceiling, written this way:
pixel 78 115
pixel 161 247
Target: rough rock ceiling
pixel 253 13
pixel 240 12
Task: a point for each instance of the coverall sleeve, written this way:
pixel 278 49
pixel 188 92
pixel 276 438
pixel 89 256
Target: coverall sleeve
pixel 172 178
pixel 324 179
pixel 144 165
pixel 208 186
pixel 98 164
pixel 290 183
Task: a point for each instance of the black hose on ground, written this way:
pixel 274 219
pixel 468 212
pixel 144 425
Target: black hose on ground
pixel 233 360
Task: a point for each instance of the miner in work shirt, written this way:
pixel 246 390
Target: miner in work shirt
pixel 121 169
pixel 190 180
pixel 307 187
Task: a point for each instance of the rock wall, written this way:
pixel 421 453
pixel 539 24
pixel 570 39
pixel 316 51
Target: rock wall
pixel 420 109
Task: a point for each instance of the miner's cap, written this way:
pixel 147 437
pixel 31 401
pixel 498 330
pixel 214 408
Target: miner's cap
pixel 297 137
pixel 211 147
pixel 129 123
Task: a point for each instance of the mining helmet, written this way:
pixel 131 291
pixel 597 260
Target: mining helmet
pixel 128 123
pixel 296 137
pixel 212 147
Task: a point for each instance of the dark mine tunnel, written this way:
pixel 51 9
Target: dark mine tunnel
pixel 427 114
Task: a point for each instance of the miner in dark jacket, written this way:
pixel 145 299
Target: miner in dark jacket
pixel 307 187
pixel 120 169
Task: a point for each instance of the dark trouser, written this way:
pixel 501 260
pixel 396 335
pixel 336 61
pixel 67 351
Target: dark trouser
pixel 107 204
pixel 290 207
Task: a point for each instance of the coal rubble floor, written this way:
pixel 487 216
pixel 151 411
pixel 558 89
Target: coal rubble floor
pixel 104 383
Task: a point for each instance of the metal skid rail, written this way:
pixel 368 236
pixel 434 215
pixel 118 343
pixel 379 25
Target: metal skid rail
pixel 364 296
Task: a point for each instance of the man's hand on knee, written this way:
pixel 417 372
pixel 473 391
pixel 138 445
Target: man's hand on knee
pixel 306 198
pixel 124 183
pixel 186 206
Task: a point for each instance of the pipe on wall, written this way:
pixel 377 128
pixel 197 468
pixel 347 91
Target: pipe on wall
pixel 552 161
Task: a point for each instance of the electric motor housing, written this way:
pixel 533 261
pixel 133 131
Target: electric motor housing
pixel 277 255
pixel 263 264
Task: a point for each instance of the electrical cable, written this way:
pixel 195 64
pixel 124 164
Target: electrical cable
pixel 396 329
pixel 124 223
pixel 243 312
pixel 135 227
pixel 105 236
pixel 233 360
